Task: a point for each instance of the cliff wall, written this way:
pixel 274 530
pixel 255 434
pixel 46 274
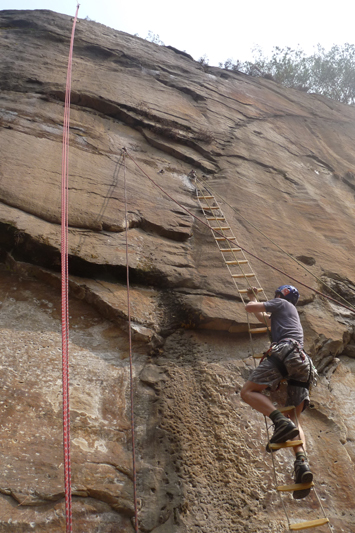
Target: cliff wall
pixel 281 159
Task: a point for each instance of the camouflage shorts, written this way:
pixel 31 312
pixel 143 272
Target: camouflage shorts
pixel 299 367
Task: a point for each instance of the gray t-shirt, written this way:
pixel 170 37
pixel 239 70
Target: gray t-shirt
pixel 285 322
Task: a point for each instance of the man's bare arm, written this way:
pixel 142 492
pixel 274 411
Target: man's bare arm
pixel 258 309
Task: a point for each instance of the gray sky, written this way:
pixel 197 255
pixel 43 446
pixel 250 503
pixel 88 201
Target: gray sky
pixel 219 30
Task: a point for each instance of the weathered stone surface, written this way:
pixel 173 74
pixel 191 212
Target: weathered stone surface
pixel 278 158
pixel 31 426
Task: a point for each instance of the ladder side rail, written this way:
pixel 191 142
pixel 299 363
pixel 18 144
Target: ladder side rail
pixel 234 256
pixel 220 216
pixel 314 488
pixel 249 329
pixel 227 253
pixel 216 218
pixel 202 186
pixel 207 200
pixel 218 244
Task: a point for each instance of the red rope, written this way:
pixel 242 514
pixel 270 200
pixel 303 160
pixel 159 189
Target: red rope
pixel 65 289
pixel 130 358
pixel 352 309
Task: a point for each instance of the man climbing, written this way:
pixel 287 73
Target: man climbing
pixel 284 360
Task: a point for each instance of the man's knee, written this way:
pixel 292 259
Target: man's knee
pixel 248 387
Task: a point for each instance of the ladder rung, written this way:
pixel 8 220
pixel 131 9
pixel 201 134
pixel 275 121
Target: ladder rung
pixel 242 262
pixel 296 486
pixel 215 218
pixel 309 524
pixel 285 409
pixel 207 207
pixel 205 197
pixel 287 444
pixel 244 291
pixel 258 356
pixel 225 250
pixel 258 330
pixel 235 262
pixel 243 275
pixel 223 228
pixel 224 238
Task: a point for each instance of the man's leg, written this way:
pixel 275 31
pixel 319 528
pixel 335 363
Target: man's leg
pixel 285 429
pixel 299 410
pixel 303 473
pixel 251 394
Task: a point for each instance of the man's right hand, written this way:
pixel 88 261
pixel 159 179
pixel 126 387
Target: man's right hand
pixel 251 293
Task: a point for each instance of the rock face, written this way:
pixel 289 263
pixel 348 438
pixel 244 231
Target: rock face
pixel 279 159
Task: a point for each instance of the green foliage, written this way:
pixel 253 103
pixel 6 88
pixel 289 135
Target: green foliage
pixel 231 64
pixel 204 60
pixel 154 38
pixel 330 73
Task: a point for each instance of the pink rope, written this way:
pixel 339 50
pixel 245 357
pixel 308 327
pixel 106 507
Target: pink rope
pixel 130 361
pixel 65 289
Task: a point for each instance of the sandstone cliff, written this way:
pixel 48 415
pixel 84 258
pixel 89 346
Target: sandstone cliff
pixel 283 160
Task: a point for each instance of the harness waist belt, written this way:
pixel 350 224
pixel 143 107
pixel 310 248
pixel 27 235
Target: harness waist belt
pixel 280 365
pixel 296 383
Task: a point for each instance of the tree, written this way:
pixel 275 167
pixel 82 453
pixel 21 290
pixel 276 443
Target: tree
pixel 204 60
pixel 334 73
pixel 331 73
pixel 154 38
pixel 231 64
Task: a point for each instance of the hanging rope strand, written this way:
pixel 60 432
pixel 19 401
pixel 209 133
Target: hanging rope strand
pixel 65 288
pixel 130 357
pixel 279 247
pixel 352 309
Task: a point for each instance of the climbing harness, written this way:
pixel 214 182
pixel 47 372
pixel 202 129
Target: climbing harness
pixel 65 288
pixel 276 361
pixel 279 363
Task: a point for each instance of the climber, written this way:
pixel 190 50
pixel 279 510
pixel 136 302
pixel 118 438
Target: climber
pixel 285 359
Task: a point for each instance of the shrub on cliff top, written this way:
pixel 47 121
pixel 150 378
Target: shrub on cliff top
pixel 330 73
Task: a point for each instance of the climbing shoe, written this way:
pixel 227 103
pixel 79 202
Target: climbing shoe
pixel 302 475
pixel 285 430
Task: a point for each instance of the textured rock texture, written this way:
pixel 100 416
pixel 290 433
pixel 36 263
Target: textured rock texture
pixel 283 160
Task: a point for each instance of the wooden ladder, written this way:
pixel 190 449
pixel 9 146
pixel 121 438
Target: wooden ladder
pixel 245 278
pixel 308 524
pixel 233 256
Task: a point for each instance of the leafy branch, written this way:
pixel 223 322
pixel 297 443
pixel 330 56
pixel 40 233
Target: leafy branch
pixel 330 73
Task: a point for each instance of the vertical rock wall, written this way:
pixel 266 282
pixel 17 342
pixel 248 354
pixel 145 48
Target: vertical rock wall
pixel 278 158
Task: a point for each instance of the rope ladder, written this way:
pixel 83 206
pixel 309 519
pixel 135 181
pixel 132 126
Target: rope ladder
pixel 245 278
